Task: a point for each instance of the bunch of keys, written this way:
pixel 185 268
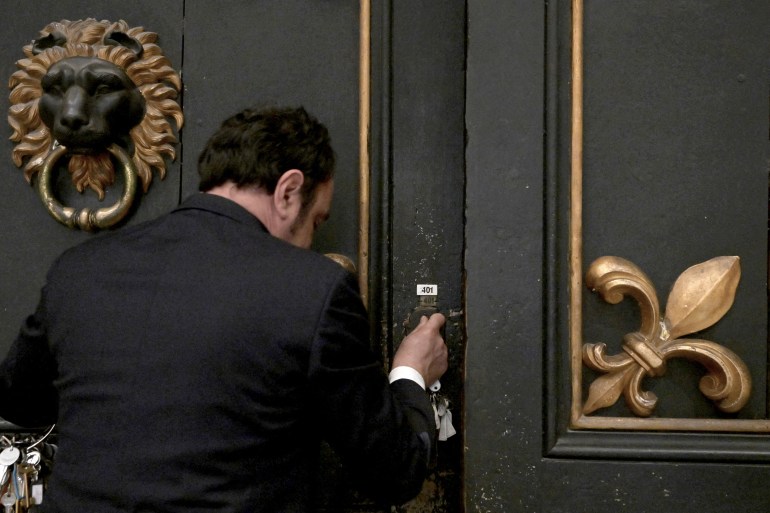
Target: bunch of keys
pixel 20 470
pixel 441 411
pixel 20 485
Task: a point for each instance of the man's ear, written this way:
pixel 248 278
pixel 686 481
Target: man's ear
pixel 287 198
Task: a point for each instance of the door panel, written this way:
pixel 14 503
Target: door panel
pixel 675 171
pixel 688 89
pixel 689 176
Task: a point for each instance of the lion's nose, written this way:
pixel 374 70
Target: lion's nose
pixel 74 113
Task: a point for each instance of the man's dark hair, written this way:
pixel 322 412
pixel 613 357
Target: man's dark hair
pixel 255 147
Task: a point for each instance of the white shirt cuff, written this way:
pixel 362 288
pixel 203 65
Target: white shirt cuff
pixel 404 372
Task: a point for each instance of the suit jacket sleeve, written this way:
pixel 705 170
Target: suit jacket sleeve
pixel 27 395
pixel 384 433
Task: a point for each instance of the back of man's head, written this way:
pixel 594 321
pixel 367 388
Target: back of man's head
pixel 255 147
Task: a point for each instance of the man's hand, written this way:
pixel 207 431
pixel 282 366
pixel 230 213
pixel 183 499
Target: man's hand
pixel 424 350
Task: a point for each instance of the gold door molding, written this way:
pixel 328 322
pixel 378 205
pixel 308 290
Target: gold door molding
pixel 364 115
pixel 728 382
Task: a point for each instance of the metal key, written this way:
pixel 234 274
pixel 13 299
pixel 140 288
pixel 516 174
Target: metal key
pixel 33 457
pixel 8 501
pixel 9 456
pixel 25 469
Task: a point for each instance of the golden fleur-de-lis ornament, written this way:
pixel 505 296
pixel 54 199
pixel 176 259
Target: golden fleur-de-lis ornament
pixel 699 298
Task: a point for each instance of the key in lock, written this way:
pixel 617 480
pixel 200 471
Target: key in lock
pixel 427 305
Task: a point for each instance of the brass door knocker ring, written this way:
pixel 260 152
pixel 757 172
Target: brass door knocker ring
pixel 88 219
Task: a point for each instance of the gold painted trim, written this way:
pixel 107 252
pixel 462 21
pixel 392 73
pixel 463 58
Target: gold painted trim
pixel 668 424
pixel 577 419
pixel 576 214
pixel 363 147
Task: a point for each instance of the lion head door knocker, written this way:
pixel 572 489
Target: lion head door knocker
pixel 93 93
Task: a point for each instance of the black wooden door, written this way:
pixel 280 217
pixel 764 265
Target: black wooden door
pixel 390 74
pixel 470 156
pixel 670 140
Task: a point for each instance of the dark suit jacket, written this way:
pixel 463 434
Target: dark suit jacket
pixel 196 361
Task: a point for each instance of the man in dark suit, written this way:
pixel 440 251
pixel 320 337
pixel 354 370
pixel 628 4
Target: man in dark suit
pixel 193 363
